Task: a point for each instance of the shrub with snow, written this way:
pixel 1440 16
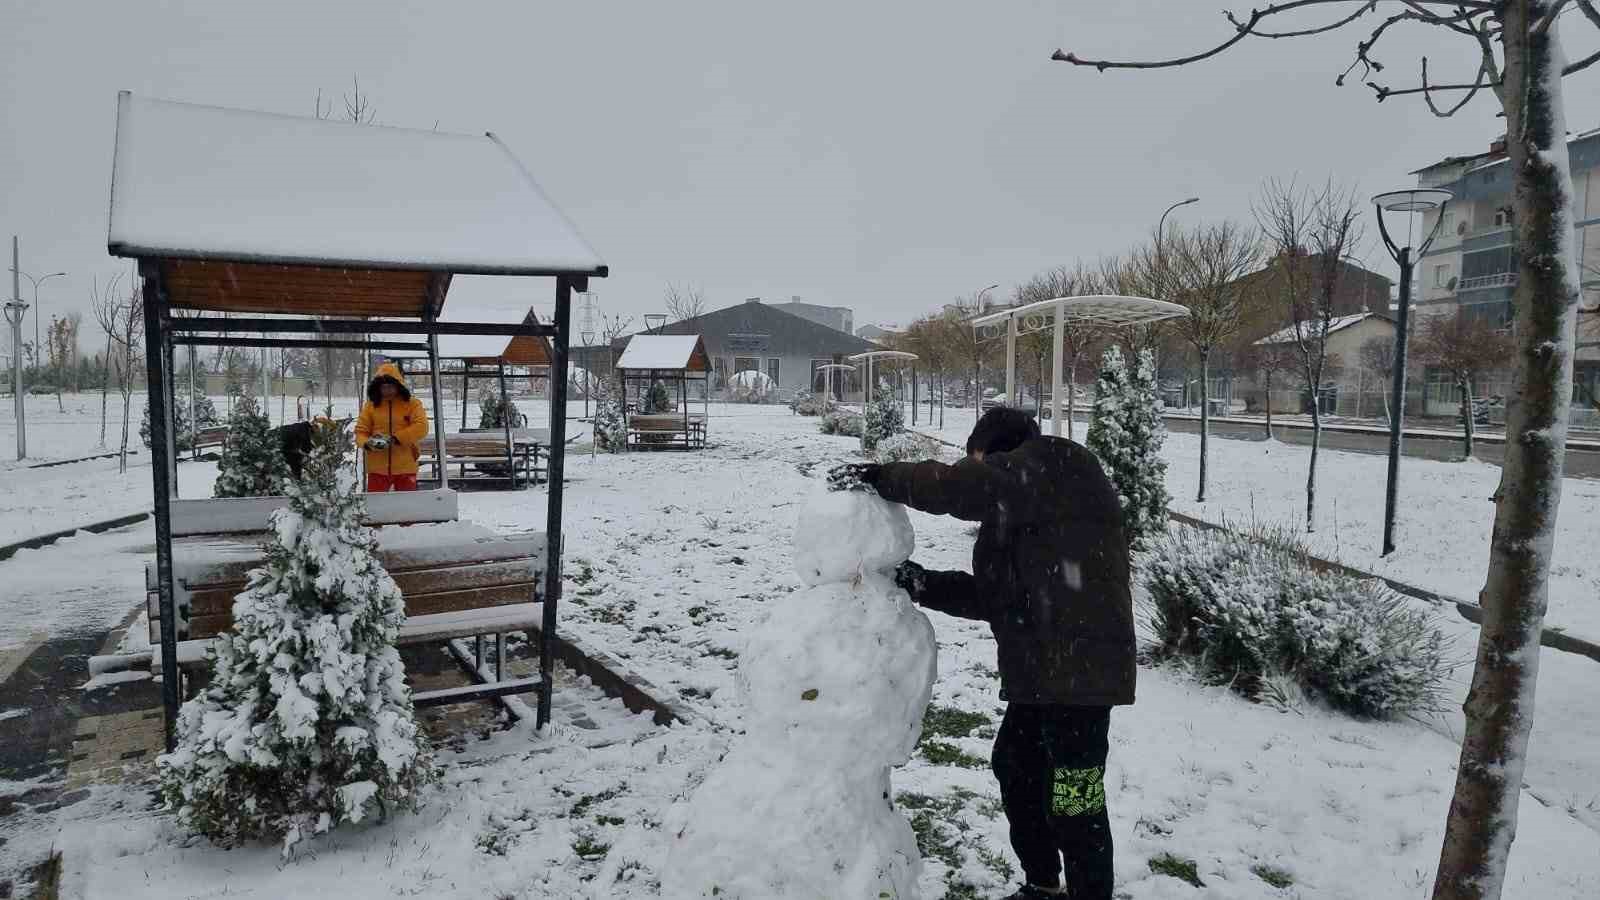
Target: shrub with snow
pixel 658 400
pixel 493 411
pixel 1249 608
pixel 252 463
pixel 610 423
pixel 1126 432
pixel 751 386
pixel 308 721
pixel 907 447
pixel 884 419
pixel 841 422
pixel 806 403
pixel 205 414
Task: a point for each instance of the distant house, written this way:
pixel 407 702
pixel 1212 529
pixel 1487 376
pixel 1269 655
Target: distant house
pixel 878 334
pixel 839 318
pixel 1348 388
pixel 755 336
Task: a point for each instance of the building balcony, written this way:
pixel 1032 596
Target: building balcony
pixel 1487 238
pixel 1487 282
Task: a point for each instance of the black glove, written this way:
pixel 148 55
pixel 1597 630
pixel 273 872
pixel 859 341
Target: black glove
pixel 908 578
pixel 853 477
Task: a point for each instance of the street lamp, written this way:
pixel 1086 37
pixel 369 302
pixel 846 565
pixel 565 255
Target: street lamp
pixel 977 386
pixel 1161 224
pixel 37 310
pixel 1409 202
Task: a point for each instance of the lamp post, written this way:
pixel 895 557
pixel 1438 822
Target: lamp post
pixel 37 309
pixel 977 386
pixel 1409 202
pixel 588 379
pixel 15 309
pixel 1161 224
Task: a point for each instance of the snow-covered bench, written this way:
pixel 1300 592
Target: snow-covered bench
pixel 459 579
pixel 666 431
pixel 486 451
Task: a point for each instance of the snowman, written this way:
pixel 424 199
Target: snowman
pixel 835 683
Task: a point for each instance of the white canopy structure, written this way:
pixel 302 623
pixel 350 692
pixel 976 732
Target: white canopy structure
pixel 1094 310
pixel 866 386
pixel 827 378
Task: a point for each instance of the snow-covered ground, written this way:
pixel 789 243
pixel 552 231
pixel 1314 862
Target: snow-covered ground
pixel 1442 526
pixel 672 557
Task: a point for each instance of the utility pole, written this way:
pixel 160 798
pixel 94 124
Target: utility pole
pixel 15 310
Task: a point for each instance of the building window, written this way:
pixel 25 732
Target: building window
pixel 772 371
pixel 746 364
pixel 1440 387
pixel 1441 276
pixel 1586 386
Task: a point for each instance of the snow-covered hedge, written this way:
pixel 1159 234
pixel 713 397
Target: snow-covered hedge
pixel 1248 607
pixel 884 419
pixel 907 447
pixel 806 403
pixel 840 422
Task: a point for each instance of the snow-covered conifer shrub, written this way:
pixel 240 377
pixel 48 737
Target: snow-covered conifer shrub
pixel 1126 432
pixel 806 403
pixel 205 414
pixel 307 722
pixel 1248 607
pixel 252 463
pixel 840 422
pixel 884 419
pixel 610 422
pixel 906 447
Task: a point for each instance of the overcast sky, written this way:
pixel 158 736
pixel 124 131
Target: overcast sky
pixel 885 156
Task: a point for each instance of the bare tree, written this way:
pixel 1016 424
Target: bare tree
pixel 1077 339
pixel 1311 230
pixel 106 307
pixel 284 362
pixel 1377 356
pixel 687 302
pixel 1266 362
pixel 1514 46
pixel 611 328
pixel 358 107
pixel 121 317
pixel 925 337
pixel 61 343
pixel 1465 347
pixel 962 341
pixel 1202 269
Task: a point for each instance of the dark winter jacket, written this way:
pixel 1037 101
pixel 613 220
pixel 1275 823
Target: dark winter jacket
pixel 1049 570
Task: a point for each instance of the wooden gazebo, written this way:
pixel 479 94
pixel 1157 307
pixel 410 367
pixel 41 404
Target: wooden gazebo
pixel 674 359
pixel 316 233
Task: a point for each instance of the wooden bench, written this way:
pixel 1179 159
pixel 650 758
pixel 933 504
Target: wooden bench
pixel 666 431
pixel 486 451
pixel 458 579
pixel 213 436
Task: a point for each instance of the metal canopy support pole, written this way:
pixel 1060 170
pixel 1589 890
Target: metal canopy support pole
pixel 506 415
pixel 194 423
pixel 558 452
pixel 466 391
pixel 437 390
pixel 866 401
pixel 169 356
pixel 157 377
pixel 1057 384
pixel 1011 363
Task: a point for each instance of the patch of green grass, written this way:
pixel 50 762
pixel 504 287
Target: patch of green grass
pixel 610 820
pixel 581 807
pixel 1272 875
pixel 723 653
pixel 588 848
pixel 496 842
pixel 955 889
pixel 944 753
pixel 948 721
pixel 1177 867
pixel 933 840
pixel 995 862
pixel 585 573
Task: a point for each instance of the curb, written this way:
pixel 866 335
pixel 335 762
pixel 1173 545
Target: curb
pixel 1472 612
pixel 43 540
pixel 612 676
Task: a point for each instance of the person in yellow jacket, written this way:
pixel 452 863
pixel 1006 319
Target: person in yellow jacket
pixel 390 430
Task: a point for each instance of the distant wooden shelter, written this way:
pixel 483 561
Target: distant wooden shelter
pixel 675 360
pixel 313 233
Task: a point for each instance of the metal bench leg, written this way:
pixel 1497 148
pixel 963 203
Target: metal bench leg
pixel 477 652
pixel 499 656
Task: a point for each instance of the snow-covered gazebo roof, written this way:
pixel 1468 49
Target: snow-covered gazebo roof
pixel 266 213
pixel 665 352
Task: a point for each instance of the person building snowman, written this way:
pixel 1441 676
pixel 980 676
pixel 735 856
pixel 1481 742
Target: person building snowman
pixel 390 430
pixel 1050 574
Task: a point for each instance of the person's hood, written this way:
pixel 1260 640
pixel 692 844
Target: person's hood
pixel 387 372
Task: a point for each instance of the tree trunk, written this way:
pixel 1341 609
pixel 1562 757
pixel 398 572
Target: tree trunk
pixel 1205 420
pixel 1072 396
pixel 1269 404
pixel 1500 704
pixel 977 391
pixel 1316 444
pixel 1465 384
pixel 1387 416
pixel 105 391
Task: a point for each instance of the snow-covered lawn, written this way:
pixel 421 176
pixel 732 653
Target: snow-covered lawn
pixel 672 557
pixel 1442 527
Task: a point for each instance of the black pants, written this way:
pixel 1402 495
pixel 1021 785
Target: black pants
pixel 1050 761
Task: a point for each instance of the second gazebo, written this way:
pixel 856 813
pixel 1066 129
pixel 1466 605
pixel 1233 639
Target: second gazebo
pixel 657 421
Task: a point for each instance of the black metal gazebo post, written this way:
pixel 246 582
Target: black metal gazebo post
pixel 162 449
pixel 558 446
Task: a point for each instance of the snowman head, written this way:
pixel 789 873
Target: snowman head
pixel 844 535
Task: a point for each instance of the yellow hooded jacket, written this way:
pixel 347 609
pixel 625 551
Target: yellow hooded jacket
pixel 402 417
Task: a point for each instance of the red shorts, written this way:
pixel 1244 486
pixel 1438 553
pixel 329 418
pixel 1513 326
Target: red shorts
pixel 378 483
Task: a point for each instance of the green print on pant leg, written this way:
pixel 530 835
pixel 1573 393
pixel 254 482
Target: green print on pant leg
pixel 1077 792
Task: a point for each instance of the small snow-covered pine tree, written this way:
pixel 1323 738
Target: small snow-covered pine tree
pixel 308 720
pixel 252 463
pixel 610 422
pixel 1126 432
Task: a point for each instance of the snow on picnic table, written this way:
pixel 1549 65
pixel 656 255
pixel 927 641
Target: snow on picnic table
pixel 671 557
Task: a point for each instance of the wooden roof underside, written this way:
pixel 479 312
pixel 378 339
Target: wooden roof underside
pixel 242 287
